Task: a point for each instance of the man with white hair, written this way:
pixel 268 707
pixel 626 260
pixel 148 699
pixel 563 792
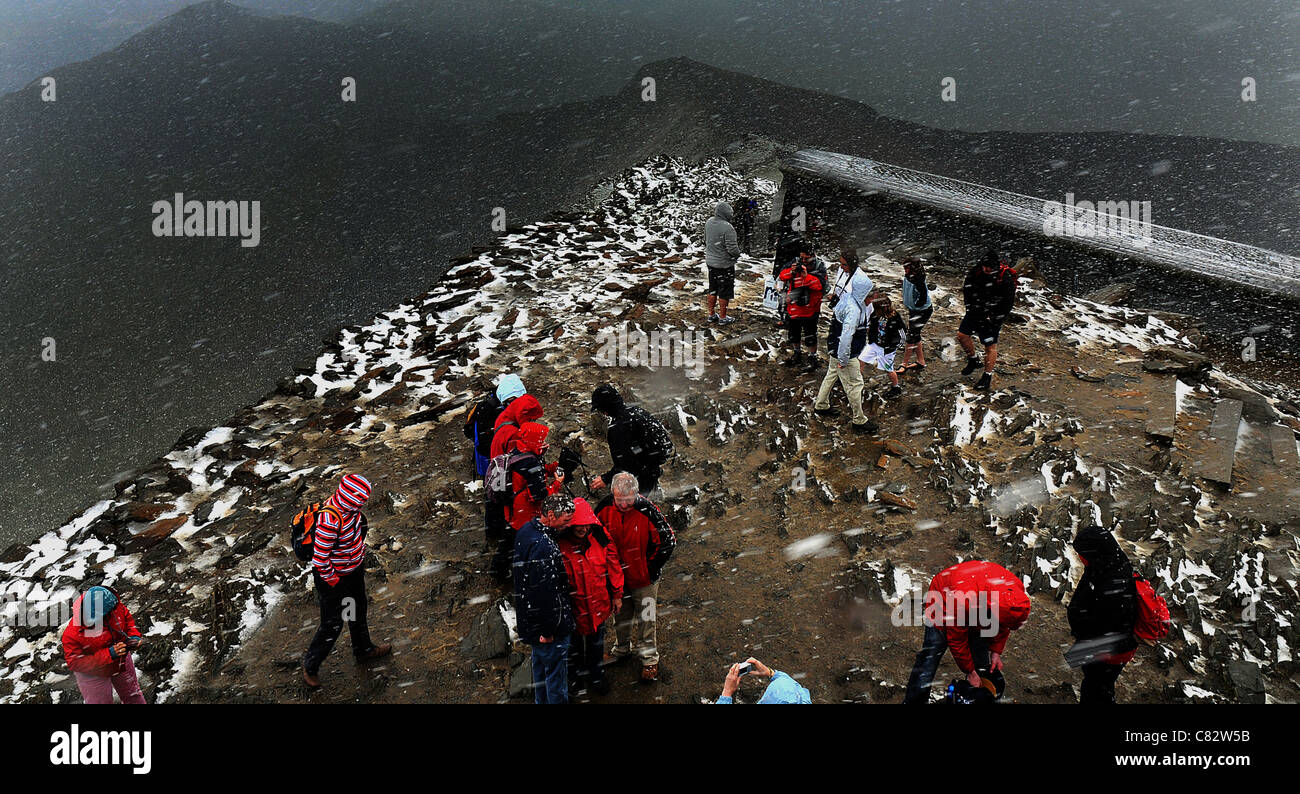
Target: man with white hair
pixel 645 541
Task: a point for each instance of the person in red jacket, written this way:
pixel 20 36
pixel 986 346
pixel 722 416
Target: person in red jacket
pixel 803 303
pixel 645 541
pixel 97 645
pixel 519 410
pixel 971 608
pixel 596 582
pixel 531 479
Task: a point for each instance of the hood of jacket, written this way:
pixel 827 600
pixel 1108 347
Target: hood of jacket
pixel 723 210
pixel 530 438
pixel 1099 550
pixel 784 690
pixel 525 408
pixel 583 515
pixel 352 494
pixel 860 287
pixel 510 386
pixel 607 400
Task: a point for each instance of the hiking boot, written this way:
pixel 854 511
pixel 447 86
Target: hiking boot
pixel 827 411
pixel 869 426
pixel 312 681
pixel 985 381
pixel 726 320
pixel 892 392
pixel 377 652
pixel 612 659
pixel 812 366
pixel 713 318
pixel 650 673
pixel 792 361
pixel 972 364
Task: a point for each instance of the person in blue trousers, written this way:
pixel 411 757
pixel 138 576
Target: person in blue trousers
pixel 543 610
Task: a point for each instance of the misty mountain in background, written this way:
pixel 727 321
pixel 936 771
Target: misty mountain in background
pixel 1171 67
pixel 363 203
pixel 39 35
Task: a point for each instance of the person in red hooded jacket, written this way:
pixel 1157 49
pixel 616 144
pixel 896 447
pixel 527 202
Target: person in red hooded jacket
pixel 596 582
pixel 520 409
pixel 971 608
pixel 531 481
pixel 97 645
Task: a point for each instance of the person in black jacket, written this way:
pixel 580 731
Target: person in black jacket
pixel 543 611
pixel 1102 614
pixel 989 292
pixel 639 444
pixel 884 337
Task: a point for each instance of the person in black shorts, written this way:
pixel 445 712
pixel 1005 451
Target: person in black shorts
pixel 989 292
pixel 916 299
pixel 721 253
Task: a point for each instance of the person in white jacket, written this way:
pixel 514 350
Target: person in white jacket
pixel 848 334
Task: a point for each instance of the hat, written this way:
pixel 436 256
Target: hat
pixel 606 399
pixel 784 690
pixel 510 387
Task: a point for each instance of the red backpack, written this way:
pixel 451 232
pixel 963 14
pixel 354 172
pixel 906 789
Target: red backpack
pixel 1153 621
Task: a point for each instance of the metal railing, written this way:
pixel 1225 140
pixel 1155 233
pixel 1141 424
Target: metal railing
pixel 1177 249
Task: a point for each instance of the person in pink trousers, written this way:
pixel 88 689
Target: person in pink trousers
pixel 97 645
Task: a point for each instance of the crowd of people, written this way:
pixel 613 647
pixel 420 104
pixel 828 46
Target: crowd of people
pixel 574 568
pixel 866 327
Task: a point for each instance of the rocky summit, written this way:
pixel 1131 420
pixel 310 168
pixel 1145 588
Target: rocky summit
pixel 796 538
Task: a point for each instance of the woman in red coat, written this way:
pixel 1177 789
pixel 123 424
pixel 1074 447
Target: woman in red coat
pixel 97 646
pixel 596 587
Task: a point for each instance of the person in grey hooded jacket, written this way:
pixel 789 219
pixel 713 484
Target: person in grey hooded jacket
pixel 848 335
pixel 721 251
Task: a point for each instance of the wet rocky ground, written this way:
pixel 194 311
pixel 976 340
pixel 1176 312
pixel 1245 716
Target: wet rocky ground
pixel 796 538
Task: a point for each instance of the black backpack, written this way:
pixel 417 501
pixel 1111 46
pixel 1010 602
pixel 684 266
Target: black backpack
pixel 659 444
pixel 481 420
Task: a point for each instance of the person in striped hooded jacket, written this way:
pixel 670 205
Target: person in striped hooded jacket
pixel 340 548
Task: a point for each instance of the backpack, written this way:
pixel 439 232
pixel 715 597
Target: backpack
pixel 497 488
pixel 302 535
pixel 480 424
pixel 961 693
pixel 1153 621
pixel 659 445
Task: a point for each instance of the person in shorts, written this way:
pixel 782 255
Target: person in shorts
pixel 989 292
pixel 884 336
pixel 721 252
pixel 916 299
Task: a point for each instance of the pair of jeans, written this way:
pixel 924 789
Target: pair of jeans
pixel 98 689
pixel 1099 683
pixel 551 671
pixel 587 658
pixel 933 647
pixel 345 602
